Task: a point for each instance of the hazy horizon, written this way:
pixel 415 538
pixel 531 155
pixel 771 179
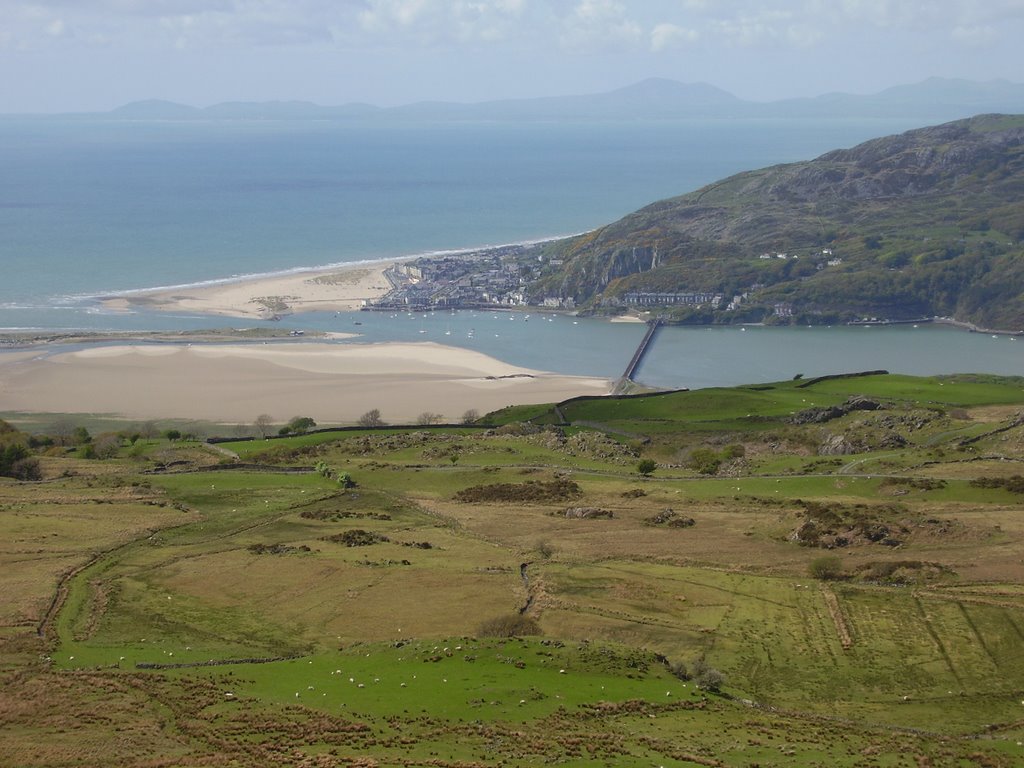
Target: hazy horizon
pixel 525 98
pixel 95 55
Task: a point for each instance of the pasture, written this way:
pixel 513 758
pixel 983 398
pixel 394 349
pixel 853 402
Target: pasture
pixel 197 613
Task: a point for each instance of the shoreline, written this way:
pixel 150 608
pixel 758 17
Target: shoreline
pixel 972 328
pixel 16 340
pixel 339 287
pixel 237 382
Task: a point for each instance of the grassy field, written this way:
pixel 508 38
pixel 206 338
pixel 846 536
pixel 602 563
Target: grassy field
pixel 166 607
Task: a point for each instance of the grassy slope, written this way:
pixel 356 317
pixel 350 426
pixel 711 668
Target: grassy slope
pixel 925 223
pixel 846 666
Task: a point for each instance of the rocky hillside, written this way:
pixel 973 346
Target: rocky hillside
pixel 926 223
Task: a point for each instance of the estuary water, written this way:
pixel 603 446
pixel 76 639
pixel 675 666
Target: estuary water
pixel 690 357
pixel 93 207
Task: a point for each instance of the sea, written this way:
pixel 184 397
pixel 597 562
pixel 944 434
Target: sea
pixel 94 207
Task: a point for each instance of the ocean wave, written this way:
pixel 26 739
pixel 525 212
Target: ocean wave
pixel 22 305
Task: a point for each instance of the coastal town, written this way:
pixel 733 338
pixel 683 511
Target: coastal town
pixel 495 277
pixel 501 277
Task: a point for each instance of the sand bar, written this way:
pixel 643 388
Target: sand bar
pixel 235 383
pixel 338 289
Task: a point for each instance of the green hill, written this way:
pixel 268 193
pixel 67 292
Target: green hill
pixel 821 572
pixel 925 223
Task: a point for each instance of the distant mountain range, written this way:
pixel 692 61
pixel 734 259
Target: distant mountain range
pixel 925 223
pixel 933 99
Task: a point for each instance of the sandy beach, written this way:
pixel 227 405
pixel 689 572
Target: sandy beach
pixel 339 289
pixel 235 383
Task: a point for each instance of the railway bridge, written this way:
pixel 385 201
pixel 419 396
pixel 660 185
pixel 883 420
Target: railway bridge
pixel 638 356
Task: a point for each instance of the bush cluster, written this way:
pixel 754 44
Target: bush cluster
pixel 707 461
pixel 357 537
pixel 509 625
pixel 828 568
pixel 703 674
pixel 1013 484
pixel 16 462
pixel 535 491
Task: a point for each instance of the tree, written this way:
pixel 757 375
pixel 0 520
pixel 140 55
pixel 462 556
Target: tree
pixel 646 467
pixel 427 417
pixel 301 424
pixel 172 434
pixel 264 424
pixel 371 419
pixel 107 445
pixel 63 431
pixel 470 416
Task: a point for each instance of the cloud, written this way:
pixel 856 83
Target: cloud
pixel 974 34
pixel 548 26
pixel 434 22
pixel 667 36
pixel 594 25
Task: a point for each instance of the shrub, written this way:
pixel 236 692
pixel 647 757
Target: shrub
pixel 734 451
pixel 679 670
pixel 537 492
pixel 1014 483
pixel 10 455
pixel 357 537
pixel 510 625
pixel 706 676
pixel 26 469
pixel 15 462
pixel 828 568
pixel 646 466
pixel 704 460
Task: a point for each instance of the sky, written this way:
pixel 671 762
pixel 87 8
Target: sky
pixel 94 55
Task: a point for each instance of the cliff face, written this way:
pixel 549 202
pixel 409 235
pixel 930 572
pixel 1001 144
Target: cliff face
pixel 932 213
